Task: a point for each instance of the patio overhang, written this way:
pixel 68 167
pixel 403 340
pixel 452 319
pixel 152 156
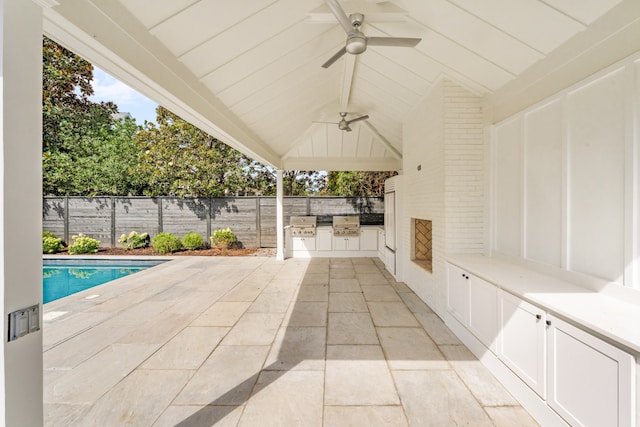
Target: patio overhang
pixel 252 76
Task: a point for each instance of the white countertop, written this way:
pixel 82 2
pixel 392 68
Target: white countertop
pixel 600 313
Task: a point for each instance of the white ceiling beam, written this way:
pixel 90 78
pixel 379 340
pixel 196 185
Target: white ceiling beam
pixel 342 164
pixel 373 12
pixel 383 140
pixel 347 81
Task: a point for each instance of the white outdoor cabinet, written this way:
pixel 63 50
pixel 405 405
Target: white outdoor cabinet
pixel 458 293
pixel 341 243
pixel 381 245
pixel 368 239
pixel 483 312
pixel 589 380
pixel 323 239
pixel 522 343
pixel 304 243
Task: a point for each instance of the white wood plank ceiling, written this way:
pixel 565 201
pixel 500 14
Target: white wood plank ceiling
pixel 250 71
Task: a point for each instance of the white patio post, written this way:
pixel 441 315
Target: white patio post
pixel 279 216
pixel 20 207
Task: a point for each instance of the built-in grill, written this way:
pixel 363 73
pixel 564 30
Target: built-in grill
pixel 302 226
pixel 347 226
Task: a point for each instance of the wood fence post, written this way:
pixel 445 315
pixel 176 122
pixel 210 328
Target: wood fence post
pixel 66 220
pixel 113 221
pixel 159 214
pixel 258 223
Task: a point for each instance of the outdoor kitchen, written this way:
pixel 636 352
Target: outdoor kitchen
pixel 333 236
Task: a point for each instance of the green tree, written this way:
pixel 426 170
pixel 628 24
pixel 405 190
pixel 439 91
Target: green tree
pixel 178 159
pixel 86 151
pixel 357 183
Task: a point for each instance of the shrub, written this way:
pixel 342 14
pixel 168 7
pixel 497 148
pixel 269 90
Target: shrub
pixel 134 240
pixel 83 244
pixel 223 238
pixel 193 241
pixel 165 243
pixel 50 243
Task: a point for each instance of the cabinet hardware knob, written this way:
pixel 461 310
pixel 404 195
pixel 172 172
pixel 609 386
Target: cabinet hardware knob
pixel 538 316
pixel 548 322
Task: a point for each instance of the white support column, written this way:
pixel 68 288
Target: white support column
pixel 20 207
pixel 279 216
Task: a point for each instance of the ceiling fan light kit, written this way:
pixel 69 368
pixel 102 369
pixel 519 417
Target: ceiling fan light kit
pixel 356 41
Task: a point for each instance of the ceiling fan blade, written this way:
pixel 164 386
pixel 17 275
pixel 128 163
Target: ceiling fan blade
pixel 342 17
pixel 335 57
pixel 366 116
pixel 392 41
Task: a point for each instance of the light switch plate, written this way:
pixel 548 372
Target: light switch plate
pixel 24 321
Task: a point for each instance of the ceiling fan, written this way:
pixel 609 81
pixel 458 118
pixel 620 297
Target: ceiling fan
pixel 343 124
pixel 356 41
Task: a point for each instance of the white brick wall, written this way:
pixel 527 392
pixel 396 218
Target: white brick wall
pixel 444 137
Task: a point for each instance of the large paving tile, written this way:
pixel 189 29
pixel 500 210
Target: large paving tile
pixel 313 294
pixel 271 302
pixel 72 352
pixel 344 285
pixel 226 377
pixel 437 330
pixel 63 415
pixel 380 293
pixel 137 400
pixel 410 348
pixel 342 273
pixel 157 330
pixel 298 349
pixel 245 291
pixel 308 314
pixel 414 303
pixel 364 416
pixel 372 279
pixel 508 416
pixel 351 328
pixel 347 302
pixel 254 329
pixel 222 313
pixel 318 269
pixel 438 398
pixel 398 286
pixel 484 386
pixel 312 279
pixel 94 377
pixel 199 416
pixel 60 330
pixel 286 398
pixel 391 314
pixel 188 349
pixel 358 375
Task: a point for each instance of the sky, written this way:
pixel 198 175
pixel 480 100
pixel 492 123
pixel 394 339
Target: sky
pixel 107 88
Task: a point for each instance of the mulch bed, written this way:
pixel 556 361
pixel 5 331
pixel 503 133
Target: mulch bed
pixel 201 252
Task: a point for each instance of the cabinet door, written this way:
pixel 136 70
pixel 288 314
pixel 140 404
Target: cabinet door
pixel 483 311
pixel 590 381
pixel 323 240
pixel 369 240
pixel 458 293
pixel 522 343
pixel 304 243
pixel 339 244
pixel 353 243
pixel 381 246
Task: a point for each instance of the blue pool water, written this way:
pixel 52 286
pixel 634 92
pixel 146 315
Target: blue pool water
pixel 65 277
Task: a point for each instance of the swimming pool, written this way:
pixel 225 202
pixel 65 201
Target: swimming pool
pixel 65 277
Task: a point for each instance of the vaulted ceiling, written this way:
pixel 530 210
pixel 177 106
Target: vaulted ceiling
pixel 249 71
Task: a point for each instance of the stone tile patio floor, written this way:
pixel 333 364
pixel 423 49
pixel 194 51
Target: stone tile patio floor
pixel 257 342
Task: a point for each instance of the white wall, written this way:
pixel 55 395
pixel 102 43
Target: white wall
pixel 565 186
pixel 443 137
pixel 21 206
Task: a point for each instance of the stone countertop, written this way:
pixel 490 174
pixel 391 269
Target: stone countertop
pixel 603 314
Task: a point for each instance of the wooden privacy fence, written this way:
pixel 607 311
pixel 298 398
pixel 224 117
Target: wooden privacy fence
pixel 252 219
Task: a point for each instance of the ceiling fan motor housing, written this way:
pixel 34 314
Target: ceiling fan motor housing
pixel 356 41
